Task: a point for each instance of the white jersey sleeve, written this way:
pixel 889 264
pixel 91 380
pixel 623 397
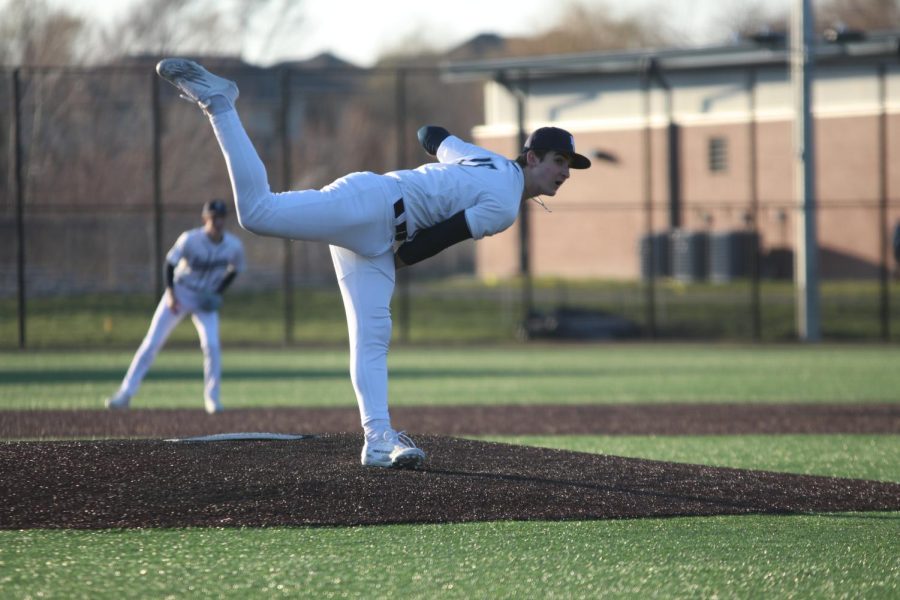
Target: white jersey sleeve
pixel 454 150
pixel 493 212
pixel 176 252
pixel 487 186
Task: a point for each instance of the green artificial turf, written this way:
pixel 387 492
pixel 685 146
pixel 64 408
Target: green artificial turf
pixel 822 556
pixel 541 374
pixel 807 556
pixel 874 457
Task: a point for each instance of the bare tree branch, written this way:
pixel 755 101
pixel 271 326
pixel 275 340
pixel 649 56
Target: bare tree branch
pixel 267 21
pixel 864 15
pixel 32 34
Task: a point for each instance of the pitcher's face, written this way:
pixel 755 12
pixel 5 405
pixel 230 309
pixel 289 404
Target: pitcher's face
pixel 549 173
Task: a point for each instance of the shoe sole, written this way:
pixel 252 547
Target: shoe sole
pixel 175 70
pixel 409 460
pixel 372 460
pixel 112 405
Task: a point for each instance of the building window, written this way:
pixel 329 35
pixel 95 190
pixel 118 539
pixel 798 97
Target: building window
pixel 718 154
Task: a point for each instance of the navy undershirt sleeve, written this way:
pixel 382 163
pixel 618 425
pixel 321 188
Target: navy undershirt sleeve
pixel 170 275
pixel 229 277
pixel 432 240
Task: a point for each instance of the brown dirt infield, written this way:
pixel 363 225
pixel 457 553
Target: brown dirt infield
pixel 647 419
pixel 114 483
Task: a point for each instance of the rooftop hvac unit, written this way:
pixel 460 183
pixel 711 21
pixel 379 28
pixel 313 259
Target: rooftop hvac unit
pixel 690 255
pixel 731 255
pixel 654 251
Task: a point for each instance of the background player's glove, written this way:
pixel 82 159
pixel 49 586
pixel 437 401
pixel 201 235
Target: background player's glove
pixel 210 301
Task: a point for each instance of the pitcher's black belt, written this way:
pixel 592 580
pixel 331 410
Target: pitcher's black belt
pixel 400 228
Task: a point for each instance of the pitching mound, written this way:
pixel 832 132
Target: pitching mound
pixel 319 481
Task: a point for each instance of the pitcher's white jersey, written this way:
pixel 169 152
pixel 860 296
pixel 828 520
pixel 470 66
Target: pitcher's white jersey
pixel 484 184
pixel 200 263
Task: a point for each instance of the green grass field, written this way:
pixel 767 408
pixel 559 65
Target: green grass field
pixel 532 374
pixel 464 310
pixel 801 556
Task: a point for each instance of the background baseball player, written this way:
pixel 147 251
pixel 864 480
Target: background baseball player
pixel 199 268
pixel 364 217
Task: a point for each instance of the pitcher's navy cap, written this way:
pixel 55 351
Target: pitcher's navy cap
pixel 554 138
pixel 215 207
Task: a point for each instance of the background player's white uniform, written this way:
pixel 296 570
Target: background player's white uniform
pixel 200 266
pixel 356 216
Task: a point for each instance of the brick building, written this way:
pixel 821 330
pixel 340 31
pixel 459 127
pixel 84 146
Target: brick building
pixel 719 122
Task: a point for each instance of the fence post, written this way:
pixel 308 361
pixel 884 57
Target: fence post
pixel 18 184
pixel 400 122
pixel 518 87
pixel 648 197
pixel 753 167
pixel 288 267
pixel 882 205
pixel 524 215
pixel 155 135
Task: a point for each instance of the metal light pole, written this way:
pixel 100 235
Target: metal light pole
pixel 806 269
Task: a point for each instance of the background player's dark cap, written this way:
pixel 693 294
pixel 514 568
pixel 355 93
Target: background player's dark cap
pixel 560 140
pixel 215 207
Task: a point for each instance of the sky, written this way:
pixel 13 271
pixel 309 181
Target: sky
pixel 360 30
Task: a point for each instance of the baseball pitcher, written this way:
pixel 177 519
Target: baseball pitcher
pixel 377 223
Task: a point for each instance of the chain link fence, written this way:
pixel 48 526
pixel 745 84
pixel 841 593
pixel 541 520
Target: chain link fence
pixel 105 168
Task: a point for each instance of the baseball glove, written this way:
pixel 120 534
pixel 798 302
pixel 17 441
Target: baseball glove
pixel 210 302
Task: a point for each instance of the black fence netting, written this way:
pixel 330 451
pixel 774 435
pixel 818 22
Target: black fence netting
pixel 106 167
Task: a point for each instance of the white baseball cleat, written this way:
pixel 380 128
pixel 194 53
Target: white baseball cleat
pixel 212 406
pixel 118 401
pixel 196 83
pixel 393 450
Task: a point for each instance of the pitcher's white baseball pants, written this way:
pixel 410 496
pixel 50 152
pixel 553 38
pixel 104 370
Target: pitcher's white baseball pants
pixel 355 216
